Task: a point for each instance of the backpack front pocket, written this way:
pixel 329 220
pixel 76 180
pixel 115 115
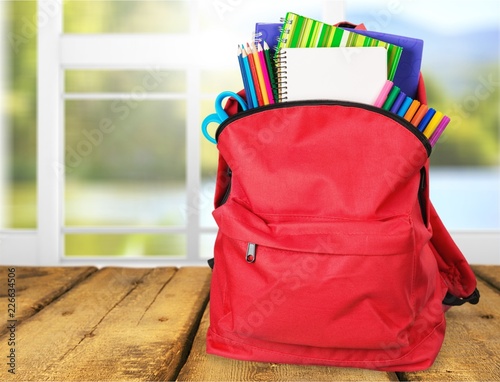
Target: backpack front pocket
pixel 323 283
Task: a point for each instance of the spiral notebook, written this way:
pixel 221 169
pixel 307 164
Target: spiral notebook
pixel 304 32
pixel 354 74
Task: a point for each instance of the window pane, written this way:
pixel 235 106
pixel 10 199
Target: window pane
pixel 138 245
pixel 125 162
pixel 128 81
pixel 131 16
pixel 213 82
pixel 18 114
pixel 207 242
pixel 209 160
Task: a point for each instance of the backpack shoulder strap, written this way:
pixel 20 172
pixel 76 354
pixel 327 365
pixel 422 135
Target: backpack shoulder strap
pixel 454 268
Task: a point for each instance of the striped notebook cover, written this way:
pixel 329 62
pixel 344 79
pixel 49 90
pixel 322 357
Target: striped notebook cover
pixel 304 32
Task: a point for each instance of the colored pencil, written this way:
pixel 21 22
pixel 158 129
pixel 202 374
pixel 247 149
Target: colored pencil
pixel 244 78
pixel 270 68
pixel 253 95
pixel 251 62
pixel 265 74
pixel 260 74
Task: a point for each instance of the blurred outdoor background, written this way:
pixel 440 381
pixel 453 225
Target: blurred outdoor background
pixel 137 177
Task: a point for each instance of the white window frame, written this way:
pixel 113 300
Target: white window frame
pixel 58 52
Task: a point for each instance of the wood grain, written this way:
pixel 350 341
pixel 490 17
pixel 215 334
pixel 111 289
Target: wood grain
pixel 36 287
pixel 488 273
pixel 118 325
pixel 201 366
pixel 471 350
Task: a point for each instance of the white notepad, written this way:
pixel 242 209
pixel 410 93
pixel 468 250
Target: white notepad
pixel 355 74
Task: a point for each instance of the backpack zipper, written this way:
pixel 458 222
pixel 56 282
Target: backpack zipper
pixel 403 122
pixel 251 253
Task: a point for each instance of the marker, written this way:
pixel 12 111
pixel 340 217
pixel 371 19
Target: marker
pixel 422 110
pixel 383 93
pixel 433 124
pixel 404 106
pixel 398 102
pixel 391 98
pixel 427 117
pixel 439 130
pixel 412 110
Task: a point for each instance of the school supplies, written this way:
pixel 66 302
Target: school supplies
pixel 439 130
pixel 398 102
pixel 301 32
pixel 251 93
pixel 422 110
pixel 268 33
pixel 220 114
pixel 412 110
pixel 408 70
pixel 427 118
pixel 349 74
pixel 429 121
pixel 271 69
pixel 393 94
pixel 383 93
pixel 404 106
pixel 433 124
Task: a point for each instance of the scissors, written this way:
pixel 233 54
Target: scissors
pixel 220 115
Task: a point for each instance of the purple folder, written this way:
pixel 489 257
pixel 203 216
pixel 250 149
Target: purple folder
pixel 408 72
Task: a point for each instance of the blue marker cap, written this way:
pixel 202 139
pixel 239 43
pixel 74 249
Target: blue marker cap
pixel 405 106
pixel 427 117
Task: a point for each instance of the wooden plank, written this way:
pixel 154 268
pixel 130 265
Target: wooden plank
pixel 471 350
pixel 36 287
pixel 201 366
pixel 488 273
pixel 120 324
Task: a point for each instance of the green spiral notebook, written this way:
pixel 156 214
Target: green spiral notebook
pixel 304 32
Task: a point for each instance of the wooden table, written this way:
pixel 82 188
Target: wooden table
pixel 129 324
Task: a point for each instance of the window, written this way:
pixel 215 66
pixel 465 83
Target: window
pixel 107 163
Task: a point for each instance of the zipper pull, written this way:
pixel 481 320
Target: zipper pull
pixel 250 256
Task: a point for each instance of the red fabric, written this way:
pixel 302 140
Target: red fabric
pixel 352 262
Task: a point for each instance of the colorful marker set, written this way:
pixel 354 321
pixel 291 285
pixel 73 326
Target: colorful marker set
pixel 257 72
pixel 428 120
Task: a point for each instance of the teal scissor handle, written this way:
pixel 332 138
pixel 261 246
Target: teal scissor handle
pixel 220 115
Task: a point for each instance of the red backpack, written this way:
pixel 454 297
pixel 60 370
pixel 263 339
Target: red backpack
pixel 329 250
